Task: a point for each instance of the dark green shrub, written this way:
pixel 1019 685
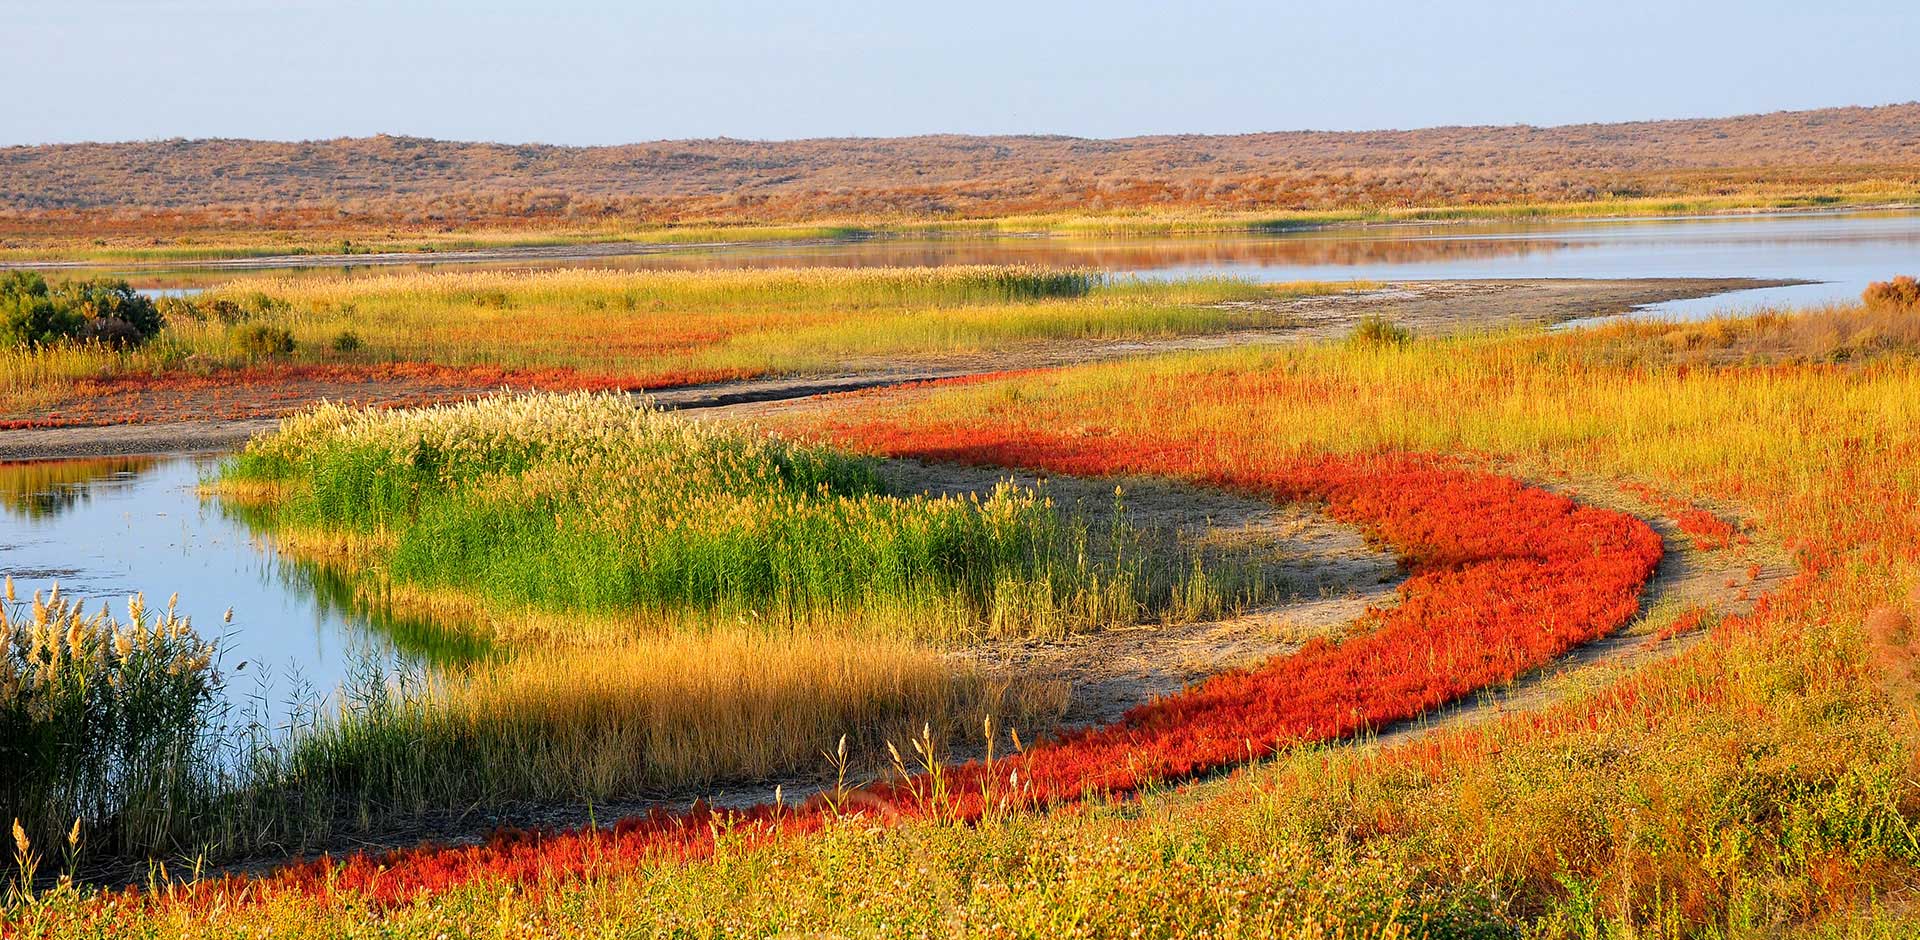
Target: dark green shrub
pixel 1373 330
pixel 347 342
pixel 113 312
pixel 260 341
pixel 28 315
pixel 35 313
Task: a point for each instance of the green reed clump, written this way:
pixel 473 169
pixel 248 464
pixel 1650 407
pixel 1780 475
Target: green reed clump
pixel 104 726
pixel 589 503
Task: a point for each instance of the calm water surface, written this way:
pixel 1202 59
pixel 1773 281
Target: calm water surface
pixel 1842 251
pixel 105 529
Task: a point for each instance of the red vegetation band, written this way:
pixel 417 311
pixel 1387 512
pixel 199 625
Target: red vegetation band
pixel 1505 578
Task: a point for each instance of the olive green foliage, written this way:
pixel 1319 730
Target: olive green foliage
pixel 260 341
pixel 36 313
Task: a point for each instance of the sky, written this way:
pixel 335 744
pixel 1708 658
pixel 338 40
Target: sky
pixel 606 71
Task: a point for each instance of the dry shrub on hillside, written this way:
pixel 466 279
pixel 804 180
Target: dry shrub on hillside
pixel 415 183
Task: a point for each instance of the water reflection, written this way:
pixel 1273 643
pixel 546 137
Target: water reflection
pixel 44 489
pixel 339 595
pixel 106 529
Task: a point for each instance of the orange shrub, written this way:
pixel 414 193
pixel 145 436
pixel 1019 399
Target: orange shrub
pixel 1902 291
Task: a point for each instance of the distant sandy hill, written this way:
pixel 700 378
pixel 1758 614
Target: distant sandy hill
pixel 421 180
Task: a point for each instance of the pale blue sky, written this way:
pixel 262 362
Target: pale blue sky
pixel 602 71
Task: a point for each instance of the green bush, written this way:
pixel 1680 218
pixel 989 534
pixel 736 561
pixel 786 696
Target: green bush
pixel 260 341
pixel 111 311
pixel 1375 330
pixel 28 315
pixel 35 313
pixel 347 342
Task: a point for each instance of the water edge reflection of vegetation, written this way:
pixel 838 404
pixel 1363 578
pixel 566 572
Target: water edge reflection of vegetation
pixel 42 489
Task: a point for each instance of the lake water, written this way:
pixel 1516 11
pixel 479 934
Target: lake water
pixel 108 528
pixel 105 529
pixel 1841 251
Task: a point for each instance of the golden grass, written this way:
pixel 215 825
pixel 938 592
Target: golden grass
pixel 740 320
pixel 665 713
pixel 1760 782
pixel 1839 332
pixel 34 378
pixel 651 329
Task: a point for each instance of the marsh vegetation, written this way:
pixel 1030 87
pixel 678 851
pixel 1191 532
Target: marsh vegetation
pixel 607 329
pixel 667 606
pixel 675 602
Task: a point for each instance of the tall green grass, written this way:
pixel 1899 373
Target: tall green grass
pixel 106 741
pixel 589 504
pixel 686 604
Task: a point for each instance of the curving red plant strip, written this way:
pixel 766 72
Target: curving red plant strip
pixel 1504 579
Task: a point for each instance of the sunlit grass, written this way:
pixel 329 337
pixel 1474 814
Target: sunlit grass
pixel 744 320
pixel 668 604
pixel 594 505
pixel 104 728
pixel 651 328
pixel 1758 782
pixel 656 715
pixel 32 378
pixel 1593 819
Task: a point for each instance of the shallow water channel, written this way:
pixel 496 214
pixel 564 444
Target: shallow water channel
pixel 107 528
